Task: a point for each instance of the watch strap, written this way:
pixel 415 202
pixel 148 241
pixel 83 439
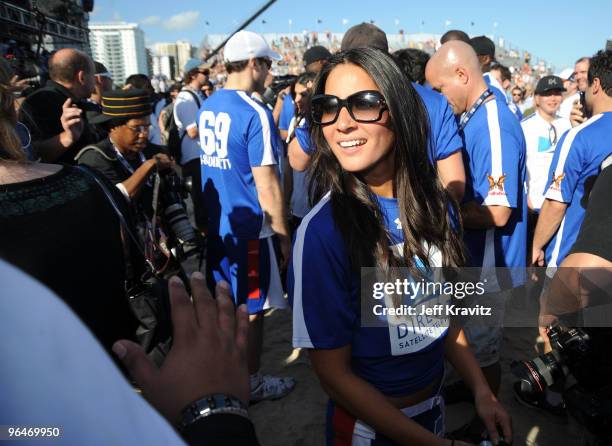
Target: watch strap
pixel 217 403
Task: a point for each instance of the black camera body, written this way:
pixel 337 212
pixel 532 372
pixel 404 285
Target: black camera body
pixel 585 354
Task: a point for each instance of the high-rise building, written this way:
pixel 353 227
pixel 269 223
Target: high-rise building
pixel 169 51
pixel 120 47
pixel 184 52
pixel 164 66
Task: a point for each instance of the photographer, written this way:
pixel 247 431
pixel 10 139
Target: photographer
pixel 126 157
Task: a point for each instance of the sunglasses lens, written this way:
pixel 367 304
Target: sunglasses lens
pixel 324 109
pixel 366 106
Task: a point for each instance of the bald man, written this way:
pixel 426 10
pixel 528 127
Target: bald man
pixel 59 126
pixel 494 207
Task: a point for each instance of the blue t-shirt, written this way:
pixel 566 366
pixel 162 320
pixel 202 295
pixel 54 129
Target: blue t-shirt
pixel 237 133
pixel 494 159
pixel 444 139
pixel 575 165
pixel 398 359
pixel 287 113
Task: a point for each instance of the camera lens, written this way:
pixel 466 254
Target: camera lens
pixel 177 218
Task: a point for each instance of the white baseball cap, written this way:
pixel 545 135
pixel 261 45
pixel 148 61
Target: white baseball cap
pixel 245 45
pixel 566 73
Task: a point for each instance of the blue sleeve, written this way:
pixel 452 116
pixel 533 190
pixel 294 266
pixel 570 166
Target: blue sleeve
pixel 262 140
pixel 319 280
pixel 499 179
pixel 565 169
pixel 447 139
pixel 287 113
pixel 303 136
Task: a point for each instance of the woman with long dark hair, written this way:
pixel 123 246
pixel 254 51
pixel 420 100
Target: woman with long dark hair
pixel 380 205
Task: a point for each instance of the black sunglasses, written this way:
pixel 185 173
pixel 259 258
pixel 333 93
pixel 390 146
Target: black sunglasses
pixel 363 106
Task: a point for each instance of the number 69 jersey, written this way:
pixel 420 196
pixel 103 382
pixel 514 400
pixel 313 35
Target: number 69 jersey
pixel 237 133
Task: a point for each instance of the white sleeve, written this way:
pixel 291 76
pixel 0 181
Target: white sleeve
pixel 185 111
pixel 123 191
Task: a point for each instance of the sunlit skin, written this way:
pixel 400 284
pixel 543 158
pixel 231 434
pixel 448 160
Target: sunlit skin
pixel 548 103
pixel 131 138
pixel 371 157
pixel 301 93
pixel 581 70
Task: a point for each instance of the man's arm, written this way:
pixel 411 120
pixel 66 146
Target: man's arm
pixel 476 216
pixel 551 215
pixel 185 115
pixel 51 149
pixel 272 203
pixel 452 175
pixel 135 182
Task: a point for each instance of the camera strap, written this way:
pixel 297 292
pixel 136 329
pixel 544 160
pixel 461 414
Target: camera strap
pixel 127 166
pixel 122 220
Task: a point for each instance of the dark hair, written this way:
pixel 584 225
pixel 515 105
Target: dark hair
pixel 306 77
pixel 505 72
pixel 236 67
pixel 138 80
pixel 412 62
pixel 420 195
pixel 601 67
pixel 582 59
pixel 116 122
pixel 454 34
pixel 65 68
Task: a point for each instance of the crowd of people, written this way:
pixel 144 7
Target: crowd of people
pixel 402 161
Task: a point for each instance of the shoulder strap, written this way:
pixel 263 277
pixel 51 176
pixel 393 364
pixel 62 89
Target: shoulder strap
pixel 88 172
pixel 97 149
pixel 195 96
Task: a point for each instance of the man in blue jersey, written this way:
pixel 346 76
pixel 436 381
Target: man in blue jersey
pixel 574 167
pixel 494 208
pixel 444 142
pixel 243 197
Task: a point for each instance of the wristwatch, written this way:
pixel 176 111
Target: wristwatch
pixel 217 403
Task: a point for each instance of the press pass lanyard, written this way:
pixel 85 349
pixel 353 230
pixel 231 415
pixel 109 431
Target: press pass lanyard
pixel 468 115
pixel 127 165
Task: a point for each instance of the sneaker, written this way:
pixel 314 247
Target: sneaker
pixel 558 411
pixel 272 388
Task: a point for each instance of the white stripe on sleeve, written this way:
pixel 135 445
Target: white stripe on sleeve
pixel 268 154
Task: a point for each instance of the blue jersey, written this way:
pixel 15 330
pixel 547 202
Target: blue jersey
pixel 573 170
pixel 287 113
pixel 325 292
pixel 494 158
pixel 237 133
pixel 444 139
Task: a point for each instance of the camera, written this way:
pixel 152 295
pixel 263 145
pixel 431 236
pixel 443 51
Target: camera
pixel 579 366
pixel 570 345
pixel 183 240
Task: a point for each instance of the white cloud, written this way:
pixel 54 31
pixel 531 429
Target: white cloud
pixel 150 20
pixel 184 20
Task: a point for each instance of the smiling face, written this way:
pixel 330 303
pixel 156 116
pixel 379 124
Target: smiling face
pixel 549 101
pixel 364 148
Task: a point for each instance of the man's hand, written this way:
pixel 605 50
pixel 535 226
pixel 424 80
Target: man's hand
pixel 493 414
pixel 17 84
pixel 208 353
pixel 577 114
pixel 163 161
pixel 72 124
pixel 537 256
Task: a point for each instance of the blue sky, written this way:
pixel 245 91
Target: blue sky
pixel 559 31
